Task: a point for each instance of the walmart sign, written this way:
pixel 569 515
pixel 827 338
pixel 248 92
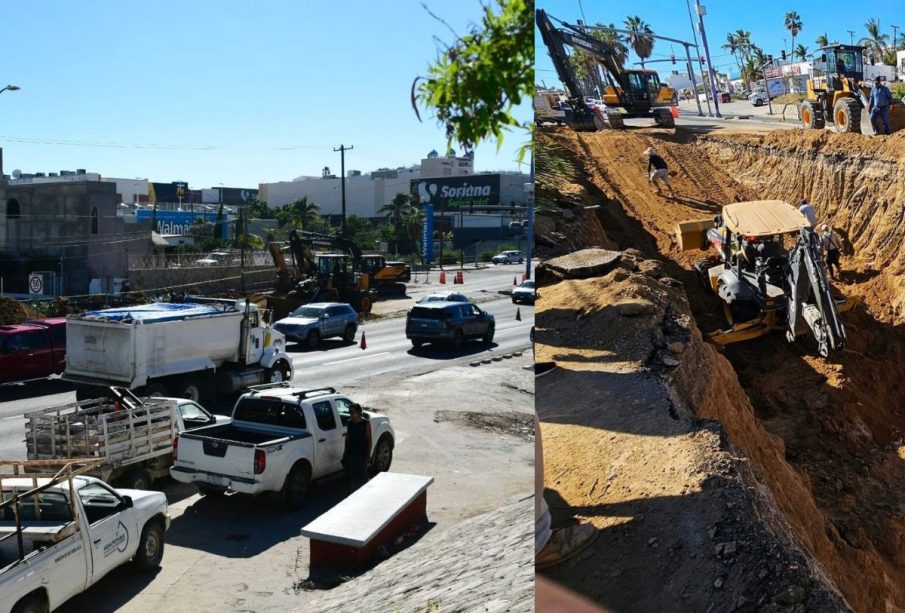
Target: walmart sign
pixel 180 222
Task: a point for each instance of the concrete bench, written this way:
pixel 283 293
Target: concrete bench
pixel 346 536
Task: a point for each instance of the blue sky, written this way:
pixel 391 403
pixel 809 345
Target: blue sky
pixel 223 92
pixel 764 19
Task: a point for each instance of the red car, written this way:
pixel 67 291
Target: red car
pixel 33 349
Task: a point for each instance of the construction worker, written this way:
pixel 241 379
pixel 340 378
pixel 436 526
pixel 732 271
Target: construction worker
pixel 805 208
pixel 658 171
pixel 831 245
pixel 880 99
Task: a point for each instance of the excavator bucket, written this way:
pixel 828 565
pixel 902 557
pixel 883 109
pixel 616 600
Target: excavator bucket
pixel 740 332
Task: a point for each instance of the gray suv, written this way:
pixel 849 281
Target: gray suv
pixel 449 322
pixel 311 323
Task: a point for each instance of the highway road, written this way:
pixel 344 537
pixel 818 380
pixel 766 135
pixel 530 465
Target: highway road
pixel 389 355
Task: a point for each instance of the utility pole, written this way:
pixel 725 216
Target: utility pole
pixel 694 86
pixel 851 37
pixel 342 169
pixel 701 11
pixel 895 30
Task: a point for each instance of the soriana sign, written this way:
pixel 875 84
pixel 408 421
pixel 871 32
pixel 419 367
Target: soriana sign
pixel 454 192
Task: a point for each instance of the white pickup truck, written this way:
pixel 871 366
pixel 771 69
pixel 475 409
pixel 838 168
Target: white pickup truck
pixel 61 534
pixel 281 438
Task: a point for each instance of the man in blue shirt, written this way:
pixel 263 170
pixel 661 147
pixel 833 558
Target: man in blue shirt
pixel 880 99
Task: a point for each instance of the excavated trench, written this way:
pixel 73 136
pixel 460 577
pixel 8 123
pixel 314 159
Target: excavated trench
pixel 824 436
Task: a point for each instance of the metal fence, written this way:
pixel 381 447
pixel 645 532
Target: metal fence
pixel 188 260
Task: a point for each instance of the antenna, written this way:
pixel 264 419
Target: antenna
pixel 17 173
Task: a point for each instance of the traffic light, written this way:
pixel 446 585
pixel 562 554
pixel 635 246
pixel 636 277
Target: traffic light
pixel 673 58
pixel 769 59
pixel 783 55
pixel 702 59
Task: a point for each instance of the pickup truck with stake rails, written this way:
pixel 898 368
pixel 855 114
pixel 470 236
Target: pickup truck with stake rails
pixel 131 438
pixel 61 532
pixel 190 349
pixel 281 439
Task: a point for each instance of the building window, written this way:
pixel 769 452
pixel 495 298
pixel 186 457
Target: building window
pixel 12 209
pixel 94 220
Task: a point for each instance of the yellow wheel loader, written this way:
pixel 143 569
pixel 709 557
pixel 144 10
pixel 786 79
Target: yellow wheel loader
pixel 768 272
pixel 839 96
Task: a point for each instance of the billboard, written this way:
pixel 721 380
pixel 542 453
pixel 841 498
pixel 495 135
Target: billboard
pixel 180 222
pixel 450 193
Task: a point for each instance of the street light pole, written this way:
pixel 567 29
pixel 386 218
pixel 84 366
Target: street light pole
pixel 701 11
pixel 851 37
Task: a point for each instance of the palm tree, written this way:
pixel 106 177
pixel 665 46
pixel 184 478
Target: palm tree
pixel 394 213
pixel 875 41
pixel 822 40
pixel 758 55
pixel 801 52
pixel 750 71
pixel 732 46
pixel 793 25
pixel 413 221
pixel 640 39
pixel 306 212
pixel 744 43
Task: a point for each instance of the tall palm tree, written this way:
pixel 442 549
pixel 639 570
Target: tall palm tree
pixel 875 41
pixel 305 211
pixel 640 39
pixel 413 221
pixel 750 71
pixel 394 213
pixel 822 40
pixel 800 52
pixel 732 46
pixel 794 25
pixel 758 55
pixel 744 43
pixel 614 42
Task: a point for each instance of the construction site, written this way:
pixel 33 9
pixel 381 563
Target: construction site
pixel 746 476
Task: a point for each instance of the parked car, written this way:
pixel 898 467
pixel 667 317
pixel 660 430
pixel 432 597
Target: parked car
pixel 216 258
pixel 449 322
pixel 758 98
pixel 508 257
pixel 443 297
pixel 70 532
pixel 32 350
pixel 314 322
pixel 280 440
pixel 525 292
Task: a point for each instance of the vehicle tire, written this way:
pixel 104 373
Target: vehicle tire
pixel 383 455
pixel 514 301
pixel 349 334
pixel 808 115
pixel 847 115
pixel 364 304
pixel 458 340
pixel 188 387
pixel 702 268
pixel 208 490
pixel 150 546
pixel 313 339
pixel 137 479
pixel 488 336
pixel 155 389
pixel 295 488
pixel 758 102
pixel 417 343
pixel 88 392
pixel 280 372
pixel 401 289
pixel 33 603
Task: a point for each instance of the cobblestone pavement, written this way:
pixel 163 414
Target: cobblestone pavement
pixel 485 564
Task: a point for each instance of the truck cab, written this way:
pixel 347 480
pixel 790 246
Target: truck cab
pixel 32 350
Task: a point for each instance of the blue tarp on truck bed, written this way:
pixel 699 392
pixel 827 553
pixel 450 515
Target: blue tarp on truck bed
pixel 157 312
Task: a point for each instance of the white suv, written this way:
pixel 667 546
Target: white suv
pixel 509 257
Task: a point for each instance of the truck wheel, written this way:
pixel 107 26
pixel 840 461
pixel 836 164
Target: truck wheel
pixel 207 490
pixel 363 303
pixel 33 603
pixel 488 336
pixel 150 546
pixel 314 339
pixel 349 334
pixel 279 372
pixel 847 115
pixel 383 455
pixel 137 479
pixel 156 389
pixel 86 392
pixel 188 388
pixel 416 343
pixel 296 487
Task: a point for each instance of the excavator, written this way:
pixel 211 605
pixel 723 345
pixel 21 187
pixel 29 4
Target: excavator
pixel 768 272
pixel 638 93
pixel 840 95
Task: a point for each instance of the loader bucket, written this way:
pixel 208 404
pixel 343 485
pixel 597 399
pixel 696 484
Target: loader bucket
pixel 692 234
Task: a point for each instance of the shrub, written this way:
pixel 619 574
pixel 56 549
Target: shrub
pixel 486 255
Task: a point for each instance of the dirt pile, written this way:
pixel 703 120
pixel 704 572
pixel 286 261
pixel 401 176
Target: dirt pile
pixel 684 523
pixel 824 437
pixel 13 312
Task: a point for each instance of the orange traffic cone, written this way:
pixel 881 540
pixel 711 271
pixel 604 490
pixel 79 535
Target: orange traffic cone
pixel 455 278
pixel 674 111
pixel 461 278
pixel 364 343
pixel 443 277
pixel 518 316
pixel 514 281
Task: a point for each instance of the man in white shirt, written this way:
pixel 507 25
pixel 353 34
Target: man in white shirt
pixel 831 245
pixel 808 211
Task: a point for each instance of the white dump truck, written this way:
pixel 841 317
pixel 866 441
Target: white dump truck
pixel 189 349
pixel 61 532
pixel 130 439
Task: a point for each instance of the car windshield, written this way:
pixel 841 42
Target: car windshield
pixel 528 284
pixel 306 311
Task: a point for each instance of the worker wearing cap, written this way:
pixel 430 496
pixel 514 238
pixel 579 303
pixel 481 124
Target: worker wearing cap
pixel 658 171
pixel 880 99
pixel 805 208
pixel 831 245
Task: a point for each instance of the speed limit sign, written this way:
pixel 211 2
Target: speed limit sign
pixel 35 284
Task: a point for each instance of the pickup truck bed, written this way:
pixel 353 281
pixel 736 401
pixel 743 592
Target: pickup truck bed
pixel 231 434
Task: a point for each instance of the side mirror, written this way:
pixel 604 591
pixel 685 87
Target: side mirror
pixel 127 502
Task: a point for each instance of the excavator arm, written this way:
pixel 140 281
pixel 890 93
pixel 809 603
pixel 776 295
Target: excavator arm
pixel 811 303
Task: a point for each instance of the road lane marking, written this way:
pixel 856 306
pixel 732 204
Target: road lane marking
pixel 373 355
